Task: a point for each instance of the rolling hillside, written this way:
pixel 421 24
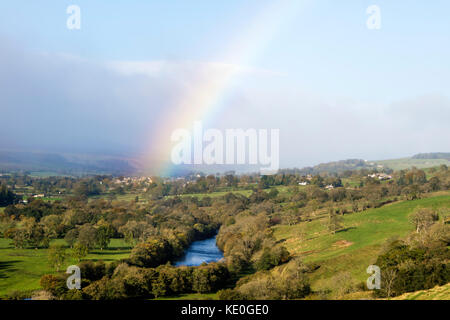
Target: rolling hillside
pixel 358 245
pixel 406 163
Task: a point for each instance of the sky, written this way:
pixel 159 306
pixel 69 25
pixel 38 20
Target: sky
pixel 137 70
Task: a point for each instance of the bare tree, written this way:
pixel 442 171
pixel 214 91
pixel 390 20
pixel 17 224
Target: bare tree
pixel 389 279
pixel 423 218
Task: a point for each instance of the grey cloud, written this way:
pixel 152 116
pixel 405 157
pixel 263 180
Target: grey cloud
pixel 59 102
pixel 63 103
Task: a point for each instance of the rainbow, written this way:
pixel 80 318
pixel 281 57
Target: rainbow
pixel 204 96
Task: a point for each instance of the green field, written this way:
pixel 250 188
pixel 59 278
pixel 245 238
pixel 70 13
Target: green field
pixel 244 192
pixel 46 198
pixel 21 269
pixel 215 194
pixel 357 246
pixel 437 293
pixel 406 163
pixel 121 197
pixel 46 174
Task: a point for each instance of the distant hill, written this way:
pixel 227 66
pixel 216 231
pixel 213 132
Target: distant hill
pixel 333 167
pixel 432 155
pixel 55 164
pixel 407 163
pixel 78 164
pixel 422 160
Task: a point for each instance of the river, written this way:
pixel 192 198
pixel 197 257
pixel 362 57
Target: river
pixel 199 252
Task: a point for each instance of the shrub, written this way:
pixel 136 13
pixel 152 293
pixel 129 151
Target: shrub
pixel 56 285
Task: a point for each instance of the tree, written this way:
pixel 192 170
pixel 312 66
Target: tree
pixel 79 251
pixel 435 184
pixel 87 236
pixel 18 236
pixel 104 234
pixel 56 256
pixel 406 268
pixel 422 218
pixel 52 225
pixel 200 280
pixel 159 287
pixel 273 193
pixel 293 217
pixel 131 232
pixel 71 237
pixel 388 278
pixel 56 285
pixel 86 188
pixel 34 233
pixel 334 221
pixel 151 253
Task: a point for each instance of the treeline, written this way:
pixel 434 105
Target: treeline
pixel 288 282
pixel 158 188
pixel 120 280
pixel 92 224
pixel 39 184
pixel 161 188
pixel 335 167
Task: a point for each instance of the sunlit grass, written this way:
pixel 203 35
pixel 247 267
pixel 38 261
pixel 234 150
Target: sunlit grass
pixel 358 245
pixel 192 296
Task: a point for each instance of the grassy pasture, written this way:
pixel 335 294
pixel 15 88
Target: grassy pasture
pixel 215 194
pixel 21 269
pixel 357 246
pixel 245 192
pixel 47 174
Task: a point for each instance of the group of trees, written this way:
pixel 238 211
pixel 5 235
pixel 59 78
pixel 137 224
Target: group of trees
pixel 289 282
pixel 93 223
pixel 421 261
pixel 157 188
pixel 120 280
pixel 248 244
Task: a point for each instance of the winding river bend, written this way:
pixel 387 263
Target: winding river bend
pixel 199 252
